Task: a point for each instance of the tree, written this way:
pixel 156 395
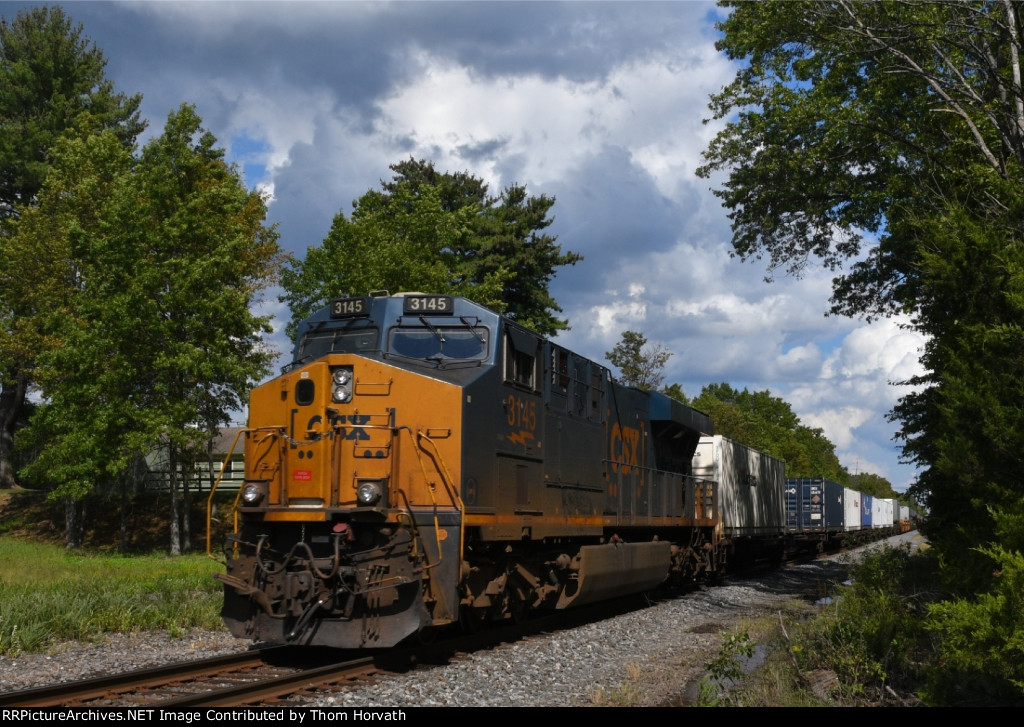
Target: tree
pixel 902 124
pixel 676 392
pixel 872 484
pixel 51 83
pixel 39 268
pixel 768 424
pixel 639 364
pixel 439 232
pixel 160 338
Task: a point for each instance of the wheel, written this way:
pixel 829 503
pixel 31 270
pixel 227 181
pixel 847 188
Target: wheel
pixel 472 620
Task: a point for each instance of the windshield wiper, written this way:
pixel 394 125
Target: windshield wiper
pixel 435 331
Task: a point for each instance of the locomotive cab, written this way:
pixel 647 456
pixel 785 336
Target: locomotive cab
pixel 349 513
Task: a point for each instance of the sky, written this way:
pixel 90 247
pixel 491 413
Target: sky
pixel 602 106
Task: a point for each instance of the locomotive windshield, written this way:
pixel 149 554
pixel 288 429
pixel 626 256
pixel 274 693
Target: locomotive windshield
pixel 320 343
pixel 439 343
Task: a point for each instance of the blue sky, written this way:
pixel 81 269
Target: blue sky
pixel 600 105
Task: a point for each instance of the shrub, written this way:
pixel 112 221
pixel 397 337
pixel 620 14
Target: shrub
pixel 981 644
pixel 872 636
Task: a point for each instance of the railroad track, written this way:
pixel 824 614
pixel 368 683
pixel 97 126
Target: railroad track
pixel 283 675
pixel 263 676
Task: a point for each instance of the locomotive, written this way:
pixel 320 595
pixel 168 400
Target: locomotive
pixel 424 462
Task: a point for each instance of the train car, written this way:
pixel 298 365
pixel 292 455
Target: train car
pixel 851 509
pixel 903 518
pixel 424 461
pixel 866 510
pixel 882 510
pixel 815 513
pixel 814 505
pixel 750 496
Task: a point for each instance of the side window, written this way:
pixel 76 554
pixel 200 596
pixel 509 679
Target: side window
pixel 558 378
pixel 521 360
pixel 559 370
pixel 522 368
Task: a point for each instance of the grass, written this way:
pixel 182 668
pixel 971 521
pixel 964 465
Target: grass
pixel 624 695
pixel 49 593
pixel 754 667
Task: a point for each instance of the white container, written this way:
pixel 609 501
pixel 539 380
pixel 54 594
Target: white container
pixel 750 486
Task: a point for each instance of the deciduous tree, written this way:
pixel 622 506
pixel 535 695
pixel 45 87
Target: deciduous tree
pixel 51 82
pixel 640 364
pixel 891 135
pixel 160 337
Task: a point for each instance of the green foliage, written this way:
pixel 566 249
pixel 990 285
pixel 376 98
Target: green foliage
pixel 676 392
pixel 872 635
pixel 51 80
pixel 439 233
pixel 398 242
pixel 898 123
pixel 966 422
pixel 639 364
pixel 768 424
pixel 84 175
pixel 726 669
pixel 152 334
pixel 981 637
pixel 52 86
pixel 70 595
pixel 872 484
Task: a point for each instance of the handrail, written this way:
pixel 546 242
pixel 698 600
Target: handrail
pixel 446 479
pixel 209 500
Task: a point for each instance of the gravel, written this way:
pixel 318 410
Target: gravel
pixel 650 657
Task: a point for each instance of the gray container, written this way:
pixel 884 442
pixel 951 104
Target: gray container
pixel 749 486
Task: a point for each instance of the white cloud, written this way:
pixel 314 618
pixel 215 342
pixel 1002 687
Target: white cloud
pixel 609 120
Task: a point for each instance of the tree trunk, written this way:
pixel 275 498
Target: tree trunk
pixel 186 521
pixel 122 540
pixel 74 523
pixel 172 463
pixel 12 403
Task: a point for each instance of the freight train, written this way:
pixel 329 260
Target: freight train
pixel 425 462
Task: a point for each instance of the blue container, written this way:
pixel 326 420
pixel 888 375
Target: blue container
pixel 813 505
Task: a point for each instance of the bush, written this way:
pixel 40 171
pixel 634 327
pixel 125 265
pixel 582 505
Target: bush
pixel 981 639
pixel 872 636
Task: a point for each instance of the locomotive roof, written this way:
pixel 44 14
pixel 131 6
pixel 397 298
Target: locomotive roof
pixel 382 311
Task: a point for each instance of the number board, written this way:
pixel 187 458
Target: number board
pixel 349 307
pixel 442 305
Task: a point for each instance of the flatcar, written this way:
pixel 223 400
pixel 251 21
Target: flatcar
pixel 425 462
pixel 824 515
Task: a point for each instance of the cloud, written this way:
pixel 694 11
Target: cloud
pixel 599 105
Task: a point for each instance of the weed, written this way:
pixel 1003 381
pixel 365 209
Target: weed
pixel 625 695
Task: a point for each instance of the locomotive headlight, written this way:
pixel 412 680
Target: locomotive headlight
pixel 252 494
pixel 342 392
pixel 369 493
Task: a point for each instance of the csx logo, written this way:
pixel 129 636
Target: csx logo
pixel 351 434
pixel 625 448
pixel 359 420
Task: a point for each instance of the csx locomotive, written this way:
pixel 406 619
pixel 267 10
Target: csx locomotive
pixel 424 461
